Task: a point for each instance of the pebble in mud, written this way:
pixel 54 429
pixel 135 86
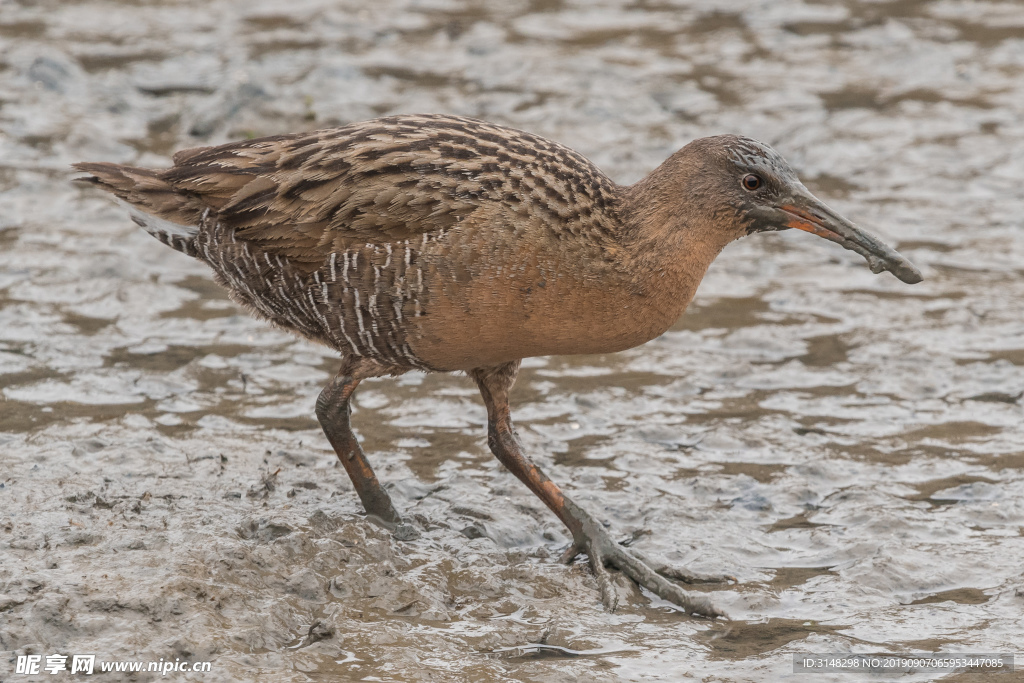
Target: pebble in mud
pixel 849 448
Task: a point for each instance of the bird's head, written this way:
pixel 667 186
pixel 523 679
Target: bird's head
pixel 747 187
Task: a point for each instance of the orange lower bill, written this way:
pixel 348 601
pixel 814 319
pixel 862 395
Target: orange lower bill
pixel 801 220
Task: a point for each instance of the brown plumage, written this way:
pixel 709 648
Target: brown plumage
pixel 446 243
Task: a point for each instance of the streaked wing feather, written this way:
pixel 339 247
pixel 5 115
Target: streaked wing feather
pixel 380 181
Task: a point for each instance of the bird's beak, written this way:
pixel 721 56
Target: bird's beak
pixel 806 212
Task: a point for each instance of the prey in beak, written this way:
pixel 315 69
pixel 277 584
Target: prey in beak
pixel 806 212
pixel 775 199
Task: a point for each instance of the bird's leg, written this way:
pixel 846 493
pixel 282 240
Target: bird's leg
pixel 332 410
pixel 589 536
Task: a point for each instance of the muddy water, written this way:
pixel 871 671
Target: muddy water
pixel 849 447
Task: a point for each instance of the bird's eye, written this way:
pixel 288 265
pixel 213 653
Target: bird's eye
pixel 752 182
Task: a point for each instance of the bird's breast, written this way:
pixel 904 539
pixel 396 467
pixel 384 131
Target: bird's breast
pixel 522 298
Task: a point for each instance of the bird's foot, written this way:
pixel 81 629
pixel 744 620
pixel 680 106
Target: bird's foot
pixel 602 551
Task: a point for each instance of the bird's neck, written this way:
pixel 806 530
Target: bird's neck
pixel 668 241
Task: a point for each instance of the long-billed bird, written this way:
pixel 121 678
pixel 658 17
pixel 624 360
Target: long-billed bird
pixel 443 243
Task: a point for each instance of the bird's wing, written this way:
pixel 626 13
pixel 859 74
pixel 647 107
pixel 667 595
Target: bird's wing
pixel 305 196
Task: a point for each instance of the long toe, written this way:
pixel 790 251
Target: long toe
pixel 680 573
pixel 571 553
pixel 630 565
pixel 609 596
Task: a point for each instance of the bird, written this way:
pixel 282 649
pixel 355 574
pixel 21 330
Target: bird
pixel 443 243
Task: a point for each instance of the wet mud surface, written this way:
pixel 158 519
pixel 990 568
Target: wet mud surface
pixel 847 446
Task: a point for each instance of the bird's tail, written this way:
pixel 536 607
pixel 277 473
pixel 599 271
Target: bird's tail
pixel 155 205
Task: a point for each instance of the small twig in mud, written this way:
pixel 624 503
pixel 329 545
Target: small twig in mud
pixel 405 608
pixel 268 483
pixel 318 631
